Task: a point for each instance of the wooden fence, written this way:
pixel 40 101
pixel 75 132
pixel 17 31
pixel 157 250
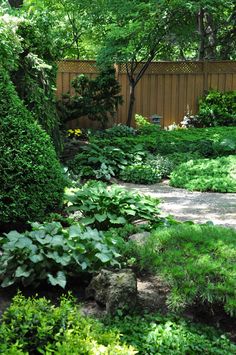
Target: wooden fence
pixel 168 89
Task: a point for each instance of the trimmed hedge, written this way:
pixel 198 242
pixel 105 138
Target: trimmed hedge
pixel 31 179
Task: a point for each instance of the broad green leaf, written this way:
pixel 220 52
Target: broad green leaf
pixel 88 220
pixel 36 258
pixel 13 236
pixel 21 271
pixel 45 240
pixel 60 279
pixel 103 257
pixel 100 217
pixel 23 242
pixel 57 240
pixel 75 231
pixel 119 220
pixel 7 282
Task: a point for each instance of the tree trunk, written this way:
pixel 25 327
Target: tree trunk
pixel 15 3
pixel 131 104
pixel 201 50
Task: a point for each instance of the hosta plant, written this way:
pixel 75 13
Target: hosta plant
pixel 52 253
pixel 103 206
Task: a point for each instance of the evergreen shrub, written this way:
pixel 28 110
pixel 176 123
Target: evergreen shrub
pixel 31 179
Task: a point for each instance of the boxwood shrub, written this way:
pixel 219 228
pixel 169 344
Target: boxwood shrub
pixel 31 179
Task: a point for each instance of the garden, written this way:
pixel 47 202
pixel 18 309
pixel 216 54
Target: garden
pixel 87 265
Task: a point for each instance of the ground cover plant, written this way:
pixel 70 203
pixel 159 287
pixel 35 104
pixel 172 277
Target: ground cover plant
pixel 40 327
pixel 197 261
pixel 103 206
pixel 52 253
pixel 149 157
pixel 217 174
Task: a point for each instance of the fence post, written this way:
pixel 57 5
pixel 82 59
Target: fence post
pixel 205 76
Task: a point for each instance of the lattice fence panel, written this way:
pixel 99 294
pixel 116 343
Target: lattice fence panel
pixel 77 67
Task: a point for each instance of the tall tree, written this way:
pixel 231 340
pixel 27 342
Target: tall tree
pixel 138 33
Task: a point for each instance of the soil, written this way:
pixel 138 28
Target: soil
pixel 184 205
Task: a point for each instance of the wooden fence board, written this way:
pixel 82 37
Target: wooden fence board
pixel 168 89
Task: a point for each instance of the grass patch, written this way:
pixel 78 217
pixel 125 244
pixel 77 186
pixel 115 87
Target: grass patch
pixel 197 261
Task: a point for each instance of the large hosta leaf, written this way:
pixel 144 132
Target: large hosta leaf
pixel 59 279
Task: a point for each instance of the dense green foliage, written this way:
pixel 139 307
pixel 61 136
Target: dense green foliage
pixel 207 142
pixel 160 152
pixel 103 206
pixel 156 335
pixel 217 174
pixel 141 174
pixel 53 253
pixel 40 327
pixel 102 163
pixel 32 66
pixel 197 262
pixel 31 180
pixel 218 109
pixel 98 98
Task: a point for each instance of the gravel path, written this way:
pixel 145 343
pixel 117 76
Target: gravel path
pixel 184 205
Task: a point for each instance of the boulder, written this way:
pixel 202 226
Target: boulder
pixel 114 290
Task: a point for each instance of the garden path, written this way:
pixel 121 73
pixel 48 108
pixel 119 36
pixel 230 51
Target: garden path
pixel 184 205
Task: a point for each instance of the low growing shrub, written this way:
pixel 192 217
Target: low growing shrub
pixel 41 328
pixel 103 206
pixel 217 109
pixel 197 261
pixel 52 253
pixel 140 174
pixel 102 163
pixel 206 175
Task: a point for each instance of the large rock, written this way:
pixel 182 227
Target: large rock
pixel 114 290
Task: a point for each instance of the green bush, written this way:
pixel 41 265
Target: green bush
pixel 218 109
pixel 31 180
pixel 207 142
pixel 206 175
pixel 103 206
pixel 140 174
pixel 102 163
pixel 41 328
pixel 98 98
pixel 53 253
pixel 197 261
